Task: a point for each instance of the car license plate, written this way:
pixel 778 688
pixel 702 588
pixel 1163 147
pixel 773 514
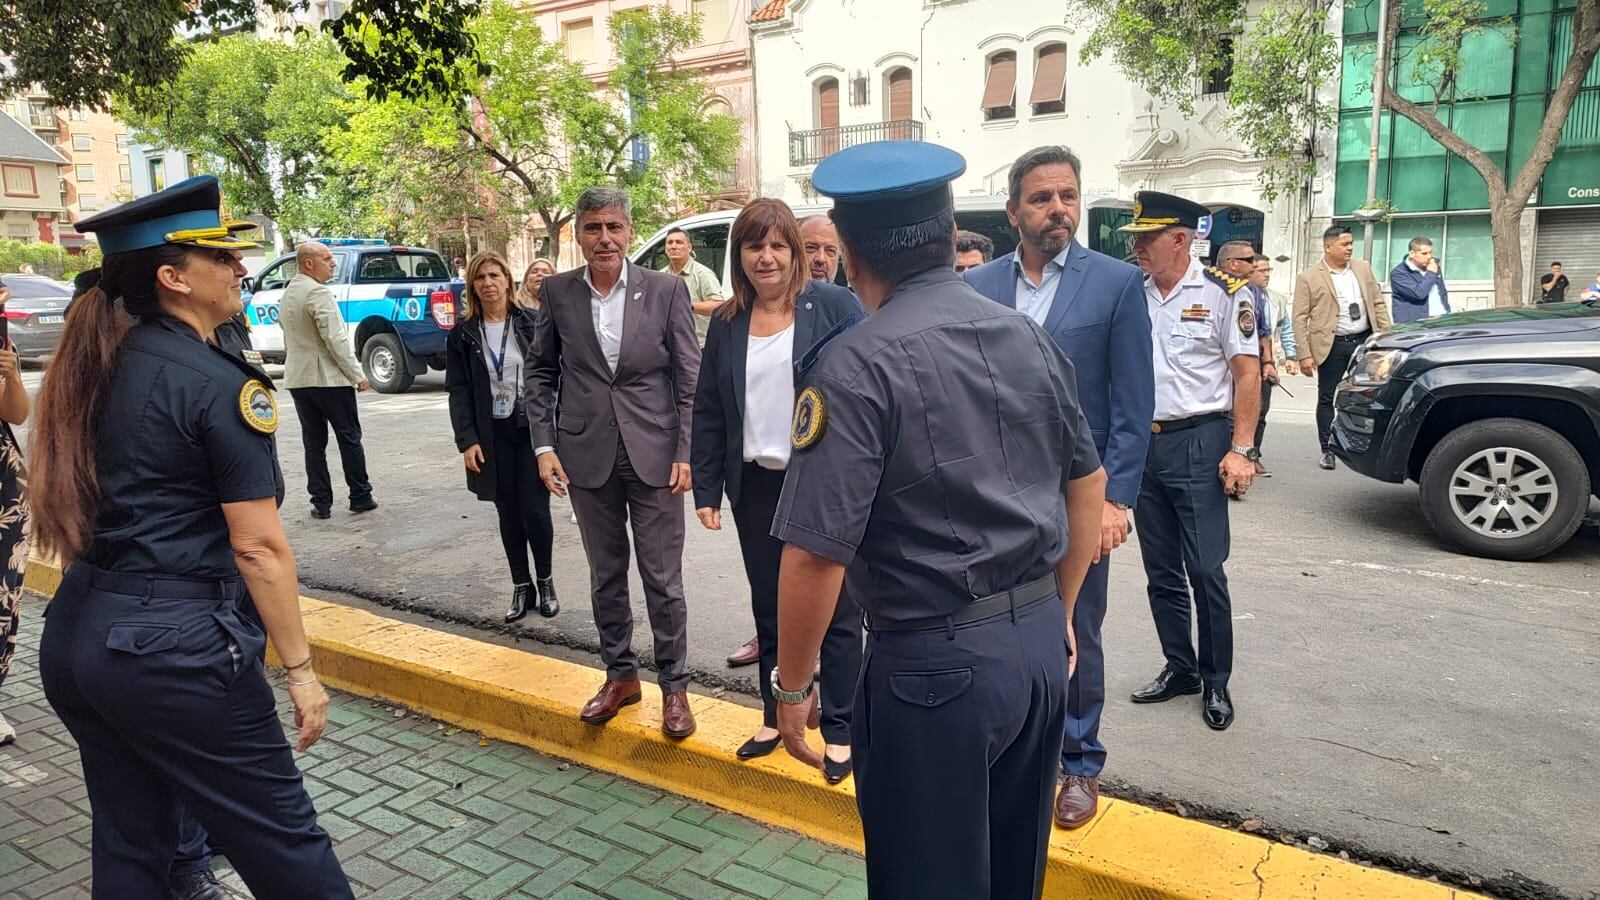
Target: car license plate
pixel 51 320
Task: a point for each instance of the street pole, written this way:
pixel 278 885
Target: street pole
pixel 1380 77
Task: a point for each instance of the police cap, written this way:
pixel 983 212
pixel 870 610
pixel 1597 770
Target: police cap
pixel 1155 211
pixel 187 213
pixel 889 184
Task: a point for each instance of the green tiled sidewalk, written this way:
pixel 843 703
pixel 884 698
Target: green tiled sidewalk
pixel 417 809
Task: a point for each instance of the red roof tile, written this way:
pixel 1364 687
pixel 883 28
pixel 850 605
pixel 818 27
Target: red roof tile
pixel 770 12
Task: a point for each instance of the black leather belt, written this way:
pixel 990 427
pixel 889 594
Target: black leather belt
pixel 167 587
pixel 1016 599
pixel 1359 336
pixel 1181 424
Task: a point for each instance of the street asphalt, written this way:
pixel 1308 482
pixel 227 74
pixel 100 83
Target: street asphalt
pixel 1395 700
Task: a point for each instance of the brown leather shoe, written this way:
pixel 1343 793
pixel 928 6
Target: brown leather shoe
pixel 749 653
pixel 676 719
pixel 1076 803
pixel 611 699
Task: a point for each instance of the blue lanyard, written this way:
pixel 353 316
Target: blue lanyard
pixel 498 360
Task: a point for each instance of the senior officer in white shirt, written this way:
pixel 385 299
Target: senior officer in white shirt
pixel 1208 395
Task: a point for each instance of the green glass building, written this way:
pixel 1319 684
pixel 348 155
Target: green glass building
pixel 1505 89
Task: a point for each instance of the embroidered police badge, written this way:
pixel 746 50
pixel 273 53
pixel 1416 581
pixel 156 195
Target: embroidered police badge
pixel 810 418
pixel 1247 320
pixel 257 407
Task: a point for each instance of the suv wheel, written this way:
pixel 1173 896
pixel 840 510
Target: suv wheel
pixel 385 364
pixel 1505 489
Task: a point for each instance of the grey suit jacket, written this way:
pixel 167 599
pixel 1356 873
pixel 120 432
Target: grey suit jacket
pixel 647 404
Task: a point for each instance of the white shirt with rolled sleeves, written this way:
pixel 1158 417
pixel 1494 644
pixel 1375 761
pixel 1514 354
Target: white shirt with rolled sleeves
pixel 1196 330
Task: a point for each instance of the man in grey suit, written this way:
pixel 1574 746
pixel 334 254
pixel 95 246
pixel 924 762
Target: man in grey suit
pixel 322 375
pixel 620 342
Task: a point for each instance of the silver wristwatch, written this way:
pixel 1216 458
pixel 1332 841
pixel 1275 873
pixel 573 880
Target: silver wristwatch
pixel 1251 453
pixel 791 697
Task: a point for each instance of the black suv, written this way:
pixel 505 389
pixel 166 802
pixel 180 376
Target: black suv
pixel 1494 413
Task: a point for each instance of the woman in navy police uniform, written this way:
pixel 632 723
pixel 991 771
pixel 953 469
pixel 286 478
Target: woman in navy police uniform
pixel 156 484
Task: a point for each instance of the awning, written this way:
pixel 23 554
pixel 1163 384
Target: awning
pixel 1000 87
pixel 1050 75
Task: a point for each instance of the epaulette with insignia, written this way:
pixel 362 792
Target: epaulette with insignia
pixel 1228 283
pixel 813 355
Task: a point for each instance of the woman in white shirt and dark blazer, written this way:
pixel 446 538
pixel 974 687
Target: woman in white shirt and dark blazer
pixel 742 408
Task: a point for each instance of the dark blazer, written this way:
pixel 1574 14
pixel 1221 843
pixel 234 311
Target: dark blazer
pixel 466 379
pixel 647 404
pixel 1101 321
pixel 1410 290
pixel 717 454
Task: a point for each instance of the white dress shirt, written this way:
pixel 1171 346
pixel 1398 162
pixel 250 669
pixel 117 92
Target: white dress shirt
pixel 1195 332
pixel 607 309
pixel 768 397
pixel 1348 287
pixel 1036 299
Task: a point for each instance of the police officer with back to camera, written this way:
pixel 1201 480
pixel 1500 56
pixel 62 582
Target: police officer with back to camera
pixel 1202 447
pixel 940 459
pixel 156 483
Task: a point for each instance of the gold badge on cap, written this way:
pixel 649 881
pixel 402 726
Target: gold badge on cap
pixel 810 418
pixel 258 407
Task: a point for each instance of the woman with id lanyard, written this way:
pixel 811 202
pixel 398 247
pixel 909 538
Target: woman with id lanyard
pixel 483 373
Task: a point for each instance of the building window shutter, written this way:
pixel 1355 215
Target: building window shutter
pixel 828 103
pixel 1050 80
pixel 1000 87
pixel 900 95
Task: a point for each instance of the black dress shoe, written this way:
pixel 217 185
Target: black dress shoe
pixel 520 595
pixel 200 885
pixel 321 512
pixel 1218 708
pixel 1167 685
pixel 548 604
pixel 835 772
pixel 754 749
pixel 366 504
pixel 1327 460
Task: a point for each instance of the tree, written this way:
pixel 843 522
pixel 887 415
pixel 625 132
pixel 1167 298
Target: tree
pixel 85 51
pixel 1286 55
pixel 258 110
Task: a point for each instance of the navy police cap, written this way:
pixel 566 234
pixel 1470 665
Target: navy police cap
pixel 1155 211
pixel 187 213
pixel 889 184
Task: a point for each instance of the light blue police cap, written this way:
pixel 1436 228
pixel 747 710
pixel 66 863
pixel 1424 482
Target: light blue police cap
pixel 889 184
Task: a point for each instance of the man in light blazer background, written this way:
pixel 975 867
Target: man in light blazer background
pixel 1337 305
pixel 1094 307
pixel 620 342
pixel 322 375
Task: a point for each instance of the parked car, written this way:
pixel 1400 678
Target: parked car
pixel 398 302
pixel 36 313
pixel 1494 413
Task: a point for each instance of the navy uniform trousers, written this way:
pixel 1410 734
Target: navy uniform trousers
pixel 1183 538
pixel 976 710
pixel 159 680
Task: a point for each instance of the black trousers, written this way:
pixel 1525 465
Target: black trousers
pixel 841 646
pixel 1266 406
pixel 1329 373
pixel 522 501
pixel 955 744
pixel 320 408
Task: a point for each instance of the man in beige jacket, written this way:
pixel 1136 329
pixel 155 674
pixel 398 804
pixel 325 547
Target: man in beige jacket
pixel 322 375
pixel 1337 305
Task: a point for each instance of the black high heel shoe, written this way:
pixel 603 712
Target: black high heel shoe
pixel 835 772
pixel 520 596
pixel 548 604
pixel 754 749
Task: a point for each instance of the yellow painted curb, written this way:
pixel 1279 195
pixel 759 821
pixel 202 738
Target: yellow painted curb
pixel 1128 852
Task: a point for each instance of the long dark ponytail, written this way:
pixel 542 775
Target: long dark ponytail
pixel 65 486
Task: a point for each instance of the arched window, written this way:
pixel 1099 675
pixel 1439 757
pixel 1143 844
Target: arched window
pixel 1049 80
pixel 1000 86
pixel 897 95
pixel 827 116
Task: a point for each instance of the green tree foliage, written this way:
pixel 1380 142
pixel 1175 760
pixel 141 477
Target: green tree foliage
pixel 85 51
pixel 49 260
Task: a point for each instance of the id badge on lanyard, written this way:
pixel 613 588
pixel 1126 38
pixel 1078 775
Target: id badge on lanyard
pixel 502 394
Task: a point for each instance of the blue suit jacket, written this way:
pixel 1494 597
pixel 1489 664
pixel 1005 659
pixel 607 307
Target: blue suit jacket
pixel 1100 320
pixel 1410 289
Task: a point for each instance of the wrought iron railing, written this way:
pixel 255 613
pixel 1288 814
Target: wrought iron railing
pixel 811 147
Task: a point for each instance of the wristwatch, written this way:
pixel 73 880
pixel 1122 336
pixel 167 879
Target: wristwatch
pixel 1249 453
pixel 1120 505
pixel 791 697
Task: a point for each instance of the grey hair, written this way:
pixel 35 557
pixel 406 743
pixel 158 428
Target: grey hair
pixel 1053 154
pixel 1249 255
pixel 594 199
pixel 1420 241
pixel 819 217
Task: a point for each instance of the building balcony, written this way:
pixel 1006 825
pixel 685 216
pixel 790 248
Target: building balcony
pixel 807 148
pixel 43 121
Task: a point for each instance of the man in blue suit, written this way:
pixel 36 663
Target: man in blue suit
pixel 1094 307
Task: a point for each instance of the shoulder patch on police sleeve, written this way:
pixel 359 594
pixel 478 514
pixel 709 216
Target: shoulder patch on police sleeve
pixel 1227 282
pixel 1247 319
pixel 810 418
pixel 258 407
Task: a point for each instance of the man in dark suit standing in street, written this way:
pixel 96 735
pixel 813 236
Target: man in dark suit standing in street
pixel 620 342
pixel 1095 309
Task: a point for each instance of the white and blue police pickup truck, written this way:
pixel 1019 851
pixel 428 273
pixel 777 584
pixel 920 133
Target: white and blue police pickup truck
pixel 399 304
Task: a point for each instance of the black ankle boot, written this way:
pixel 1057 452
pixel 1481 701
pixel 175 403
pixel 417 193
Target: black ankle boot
pixel 520 596
pixel 548 604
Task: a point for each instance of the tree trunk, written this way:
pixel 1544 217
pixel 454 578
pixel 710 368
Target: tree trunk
pixel 1505 220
